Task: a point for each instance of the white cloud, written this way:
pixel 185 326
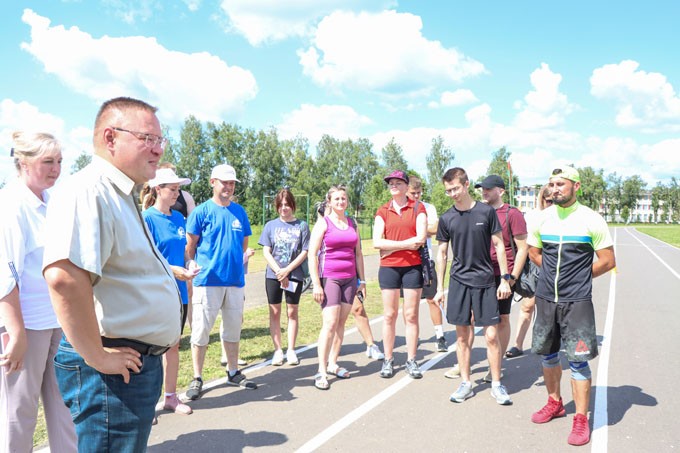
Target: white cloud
pixel 180 84
pixel 313 121
pixel 384 52
pixel 131 12
pixel 458 97
pixel 545 106
pixel 644 100
pixel 22 116
pixel 265 21
pixel 192 5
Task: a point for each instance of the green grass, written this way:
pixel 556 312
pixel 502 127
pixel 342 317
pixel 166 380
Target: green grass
pixel 667 233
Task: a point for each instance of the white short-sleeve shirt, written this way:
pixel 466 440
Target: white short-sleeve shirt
pixel 94 221
pixel 21 252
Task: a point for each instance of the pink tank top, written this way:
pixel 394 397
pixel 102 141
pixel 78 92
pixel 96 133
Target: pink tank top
pixel 337 258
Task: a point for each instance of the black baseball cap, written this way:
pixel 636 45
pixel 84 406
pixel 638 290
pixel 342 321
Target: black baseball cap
pixel 490 182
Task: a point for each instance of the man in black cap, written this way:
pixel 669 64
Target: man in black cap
pixel 514 230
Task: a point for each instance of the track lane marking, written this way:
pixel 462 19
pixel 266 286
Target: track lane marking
pixel 600 437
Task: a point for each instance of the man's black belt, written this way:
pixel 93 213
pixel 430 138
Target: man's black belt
pixel 139 346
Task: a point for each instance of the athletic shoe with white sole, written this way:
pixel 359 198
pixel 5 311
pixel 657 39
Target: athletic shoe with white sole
pixel 501 395
pixel 373 352
pixel 463 392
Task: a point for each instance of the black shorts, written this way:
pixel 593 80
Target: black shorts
pixel 504 305
pixel 428 291
pixel 465 300
pixel 275 292
pixel 409 277
pixel 571 323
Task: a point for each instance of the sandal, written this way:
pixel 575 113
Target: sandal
pixel 321 382
pixel 513 352
pixel 339 371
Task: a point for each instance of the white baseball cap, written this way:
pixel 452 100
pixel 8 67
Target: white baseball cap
pixel 167 176
pixel 224 172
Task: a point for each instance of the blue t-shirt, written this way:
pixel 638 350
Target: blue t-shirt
pixel 286 240
pixel 169 235
pixel 221 232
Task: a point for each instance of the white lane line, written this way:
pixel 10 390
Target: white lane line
pixel 337 427
pixel 600 436
pixel 325 435
pixel 655 255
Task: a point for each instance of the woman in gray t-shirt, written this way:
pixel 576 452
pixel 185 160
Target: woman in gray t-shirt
pixel 285 241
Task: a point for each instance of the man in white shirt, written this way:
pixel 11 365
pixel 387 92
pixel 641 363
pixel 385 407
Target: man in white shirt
pixel 115 296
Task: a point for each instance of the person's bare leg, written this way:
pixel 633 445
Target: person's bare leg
pixel 552 377
pixel 198 358
pixel 390 299
pixel 362 322
pixel 275 325
pixel 339 335
pixel 171 360
pixel 493 351
pixel 292 325
pixel 526 311
pixel 503 332
pixel 330 317
pixel 581 394
pixel 231 348
pixel 410 314
pixel 463 350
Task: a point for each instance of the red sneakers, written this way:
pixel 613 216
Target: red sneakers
pixel 551 410
pixel 580 431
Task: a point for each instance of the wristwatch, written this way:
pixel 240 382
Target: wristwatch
pixel 508 277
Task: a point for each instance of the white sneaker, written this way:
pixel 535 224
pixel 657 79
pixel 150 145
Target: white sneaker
pixel 464 392
pixel 453 373
pixel 373 352
pixel 277 360
pixel 292 358
pixel 501 395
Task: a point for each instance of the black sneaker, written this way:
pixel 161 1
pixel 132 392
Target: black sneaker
pixel 413 370
pixel 240 380
pixel 442 345
pixel 195 388
pixel 387 370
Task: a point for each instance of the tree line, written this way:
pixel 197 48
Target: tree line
pixel 265 163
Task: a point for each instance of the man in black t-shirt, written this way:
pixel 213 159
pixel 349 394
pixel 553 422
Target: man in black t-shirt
pixel 470 227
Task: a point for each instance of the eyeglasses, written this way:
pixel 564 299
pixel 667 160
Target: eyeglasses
pixel 556 171
pixel 150 140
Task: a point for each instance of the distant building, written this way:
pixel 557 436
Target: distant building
pixel 526 199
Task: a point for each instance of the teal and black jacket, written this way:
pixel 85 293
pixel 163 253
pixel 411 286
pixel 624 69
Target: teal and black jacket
pixel 569 238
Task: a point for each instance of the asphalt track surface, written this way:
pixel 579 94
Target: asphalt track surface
pixel 635 403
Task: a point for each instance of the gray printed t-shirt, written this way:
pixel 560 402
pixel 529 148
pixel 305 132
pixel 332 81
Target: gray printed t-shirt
pixel 286 240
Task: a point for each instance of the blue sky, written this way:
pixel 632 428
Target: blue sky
pixel 590 83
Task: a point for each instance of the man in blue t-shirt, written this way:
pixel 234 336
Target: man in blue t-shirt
pixel 470 226
pixel 217 237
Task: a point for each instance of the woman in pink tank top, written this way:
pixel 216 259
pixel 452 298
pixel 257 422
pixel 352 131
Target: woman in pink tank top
pixel 335 260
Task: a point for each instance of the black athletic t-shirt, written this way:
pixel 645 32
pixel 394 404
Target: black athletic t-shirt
pixel 469 233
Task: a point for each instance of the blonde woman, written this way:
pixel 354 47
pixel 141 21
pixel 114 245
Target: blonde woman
pixel 335 261
pixel 168 231
pixel 27 321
